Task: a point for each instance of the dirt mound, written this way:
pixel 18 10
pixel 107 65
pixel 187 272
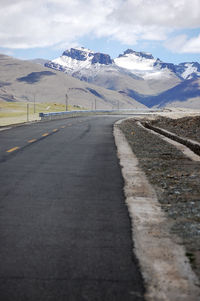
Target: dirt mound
pixel 188 127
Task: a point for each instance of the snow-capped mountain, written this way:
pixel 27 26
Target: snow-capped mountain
pixel 188 70
pixel 76 59
pixel 143 64
pixel 135 70
pixel 80 61
pixel 135 61
pixel 136 74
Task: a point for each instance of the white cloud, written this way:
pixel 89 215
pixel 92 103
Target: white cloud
pixel 175 44
pixel 168 13
pixel 45 23
pixel 183 44
pixel 192 45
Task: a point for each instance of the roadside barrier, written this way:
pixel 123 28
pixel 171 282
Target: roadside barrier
pixel 67 114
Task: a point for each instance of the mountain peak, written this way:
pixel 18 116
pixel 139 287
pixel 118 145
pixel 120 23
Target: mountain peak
pixel 83 63
pixel 102 58
pixel 142 54
pixel 84 49
pixel 84 54
pixel 75 59
pixel 80 54
pixel 140 63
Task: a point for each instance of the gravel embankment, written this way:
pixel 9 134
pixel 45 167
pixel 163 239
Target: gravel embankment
pixel 187 127
pixel 175 178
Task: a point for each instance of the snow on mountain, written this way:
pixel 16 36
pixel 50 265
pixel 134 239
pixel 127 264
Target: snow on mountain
pixel 76 59
pixel 136 74
pixel 130 67
pixel 85 64
pixel 143 64
pixel 80 61
pixel 101 70
pixel 135 61
pixel 189 70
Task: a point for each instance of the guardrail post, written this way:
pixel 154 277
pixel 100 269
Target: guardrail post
pixel 27 112
pixel 66 101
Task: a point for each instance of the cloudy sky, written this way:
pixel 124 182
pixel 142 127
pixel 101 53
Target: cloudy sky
pixel 169 29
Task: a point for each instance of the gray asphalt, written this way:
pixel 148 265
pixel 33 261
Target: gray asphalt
pixel 65 233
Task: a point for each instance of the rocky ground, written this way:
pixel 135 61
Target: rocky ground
pixel 186 127
pixel 175 178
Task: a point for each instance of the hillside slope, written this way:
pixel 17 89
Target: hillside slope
pixel 186 94
pixel 26 81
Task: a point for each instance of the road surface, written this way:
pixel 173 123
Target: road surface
pixel 65 233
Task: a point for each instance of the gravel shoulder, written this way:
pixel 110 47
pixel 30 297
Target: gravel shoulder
pixel 174 177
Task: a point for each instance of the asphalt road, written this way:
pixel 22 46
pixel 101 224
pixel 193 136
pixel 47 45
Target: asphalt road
pixel 65 233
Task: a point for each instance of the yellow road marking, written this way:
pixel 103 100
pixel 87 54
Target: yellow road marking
pixel 63 126
pixel 45 134
pixel 12 149
pixel 55 130
pixel 31 141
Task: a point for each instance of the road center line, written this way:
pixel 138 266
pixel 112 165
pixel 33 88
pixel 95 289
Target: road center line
pixel 12 149
pixel 31 141
pixel 45 134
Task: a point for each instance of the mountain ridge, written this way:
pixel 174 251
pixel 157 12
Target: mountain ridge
pixel 185 70
pixel 147 77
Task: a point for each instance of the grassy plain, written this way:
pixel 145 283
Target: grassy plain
pixel 16 112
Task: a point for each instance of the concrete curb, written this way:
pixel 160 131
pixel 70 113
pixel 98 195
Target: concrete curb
pixel 14 125
pixel 166 270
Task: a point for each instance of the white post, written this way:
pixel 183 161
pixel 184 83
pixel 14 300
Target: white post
pixel 27 112
pixel 66 102
pixel 34 104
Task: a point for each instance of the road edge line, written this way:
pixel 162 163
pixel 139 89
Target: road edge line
pixel 165 268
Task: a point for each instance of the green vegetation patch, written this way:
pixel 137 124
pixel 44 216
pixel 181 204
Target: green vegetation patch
pixel 16 112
